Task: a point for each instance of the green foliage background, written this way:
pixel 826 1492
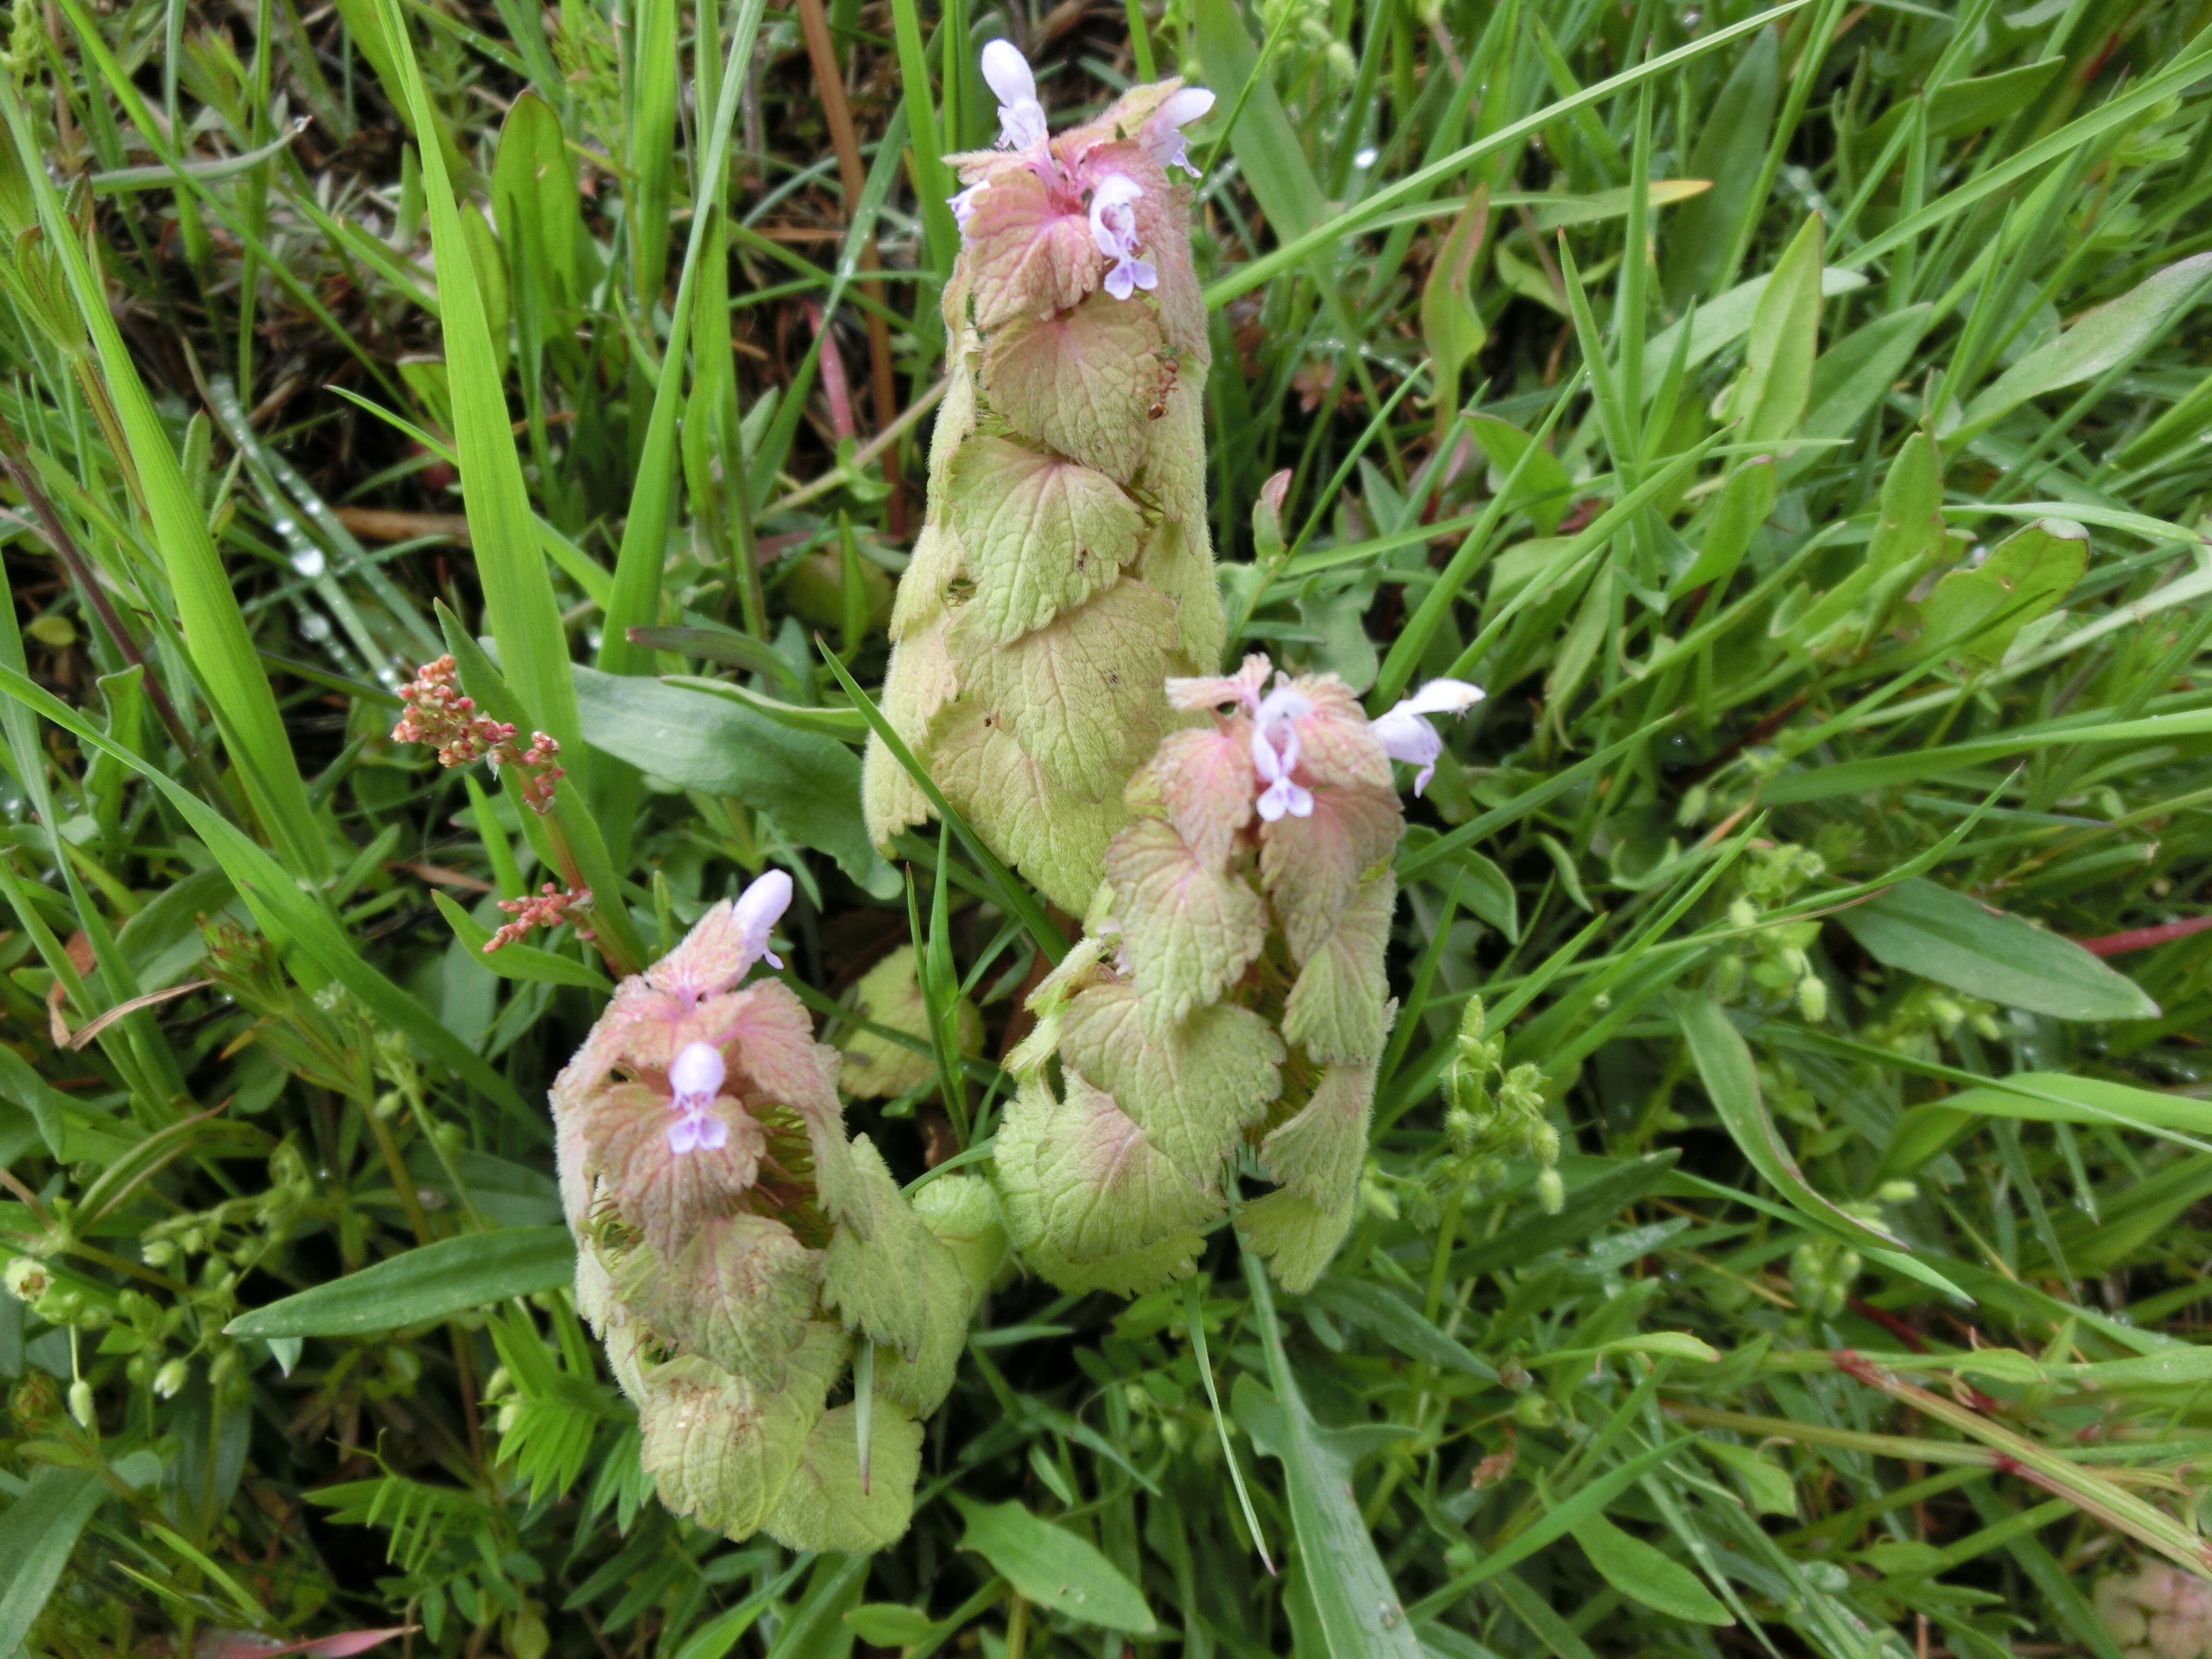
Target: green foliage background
pixel 1828 532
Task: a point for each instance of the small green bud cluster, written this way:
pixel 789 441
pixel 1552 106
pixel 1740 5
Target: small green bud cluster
pixel 325 1037
pixel 744 1262
pixel 1310 38
pixel 1777 957
pixel 1492 1114
pixel 1926 1015
pixel 164 1335
pixel 1821 1273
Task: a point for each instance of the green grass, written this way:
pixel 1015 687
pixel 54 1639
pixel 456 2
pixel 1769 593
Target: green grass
pixel 1828 532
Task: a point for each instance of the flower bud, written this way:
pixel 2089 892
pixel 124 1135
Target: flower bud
pixel 80 1404
pixel 28 1278
pixel 171 1378
pixel 1812 999
pixel 1550 1190
pixel 1532 1410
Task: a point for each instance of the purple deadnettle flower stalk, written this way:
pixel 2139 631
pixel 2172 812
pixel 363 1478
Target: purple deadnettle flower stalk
pixel 1228 995
pixel 740 1257
pixel 1064 569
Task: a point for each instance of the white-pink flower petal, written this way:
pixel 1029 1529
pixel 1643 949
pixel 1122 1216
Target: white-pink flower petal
pixel 1162 135
pixel 1021 117
pixel 1406 735
pixel 758 909
pixel 696 1075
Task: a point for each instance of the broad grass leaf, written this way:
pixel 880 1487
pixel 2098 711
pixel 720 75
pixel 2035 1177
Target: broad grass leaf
pixel 1852 377
pixel 1545 487
pixel 429 1282
pixel 1721 323
pixel 1724 1064
pixel 1926 1131
pixel 540 214
pixel 888 1624
pixel 1449 322
pixel 1231 48
pixel 163 939
pixel 806 784
pixel 1731 149
pixel 519 606
pixel 1959 106
pixel 1980 609
pixel 1955 940
pixel 1487 891
pixel 1052 1566
pixel 1355 1603
pixel 1880 771
pixel 37 1534
pixel 1771 1489
pixel 1266 143
pixel 1560 1519
pixel 1785 339
pixel 1559 212
pixel 1382 1312
pixel 221 650
pixel 1733 519
pixel 1648 1575
pixel 2105 338
pixel 649 183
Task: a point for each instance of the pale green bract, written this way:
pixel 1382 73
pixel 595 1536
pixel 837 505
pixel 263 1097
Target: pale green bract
pixel 732 1248
pixel 1064 569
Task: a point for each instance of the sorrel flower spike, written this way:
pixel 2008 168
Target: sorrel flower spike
pixel 733 1249
pixel 1064 568
pixel 1231 996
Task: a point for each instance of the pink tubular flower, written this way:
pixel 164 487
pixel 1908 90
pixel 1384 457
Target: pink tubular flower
pixel 1162 134
pixel 1275 746
pixel 1021 117
pixel 694 1079
pixel 1114 228
pixel 1407 736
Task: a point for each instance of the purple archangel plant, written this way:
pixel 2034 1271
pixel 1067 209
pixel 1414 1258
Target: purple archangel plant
pixel 1064 569
pixel 745 1263
pixel 1228 995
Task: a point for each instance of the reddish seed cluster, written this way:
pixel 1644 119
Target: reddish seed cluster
pixel 549 906
pixel 440 715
